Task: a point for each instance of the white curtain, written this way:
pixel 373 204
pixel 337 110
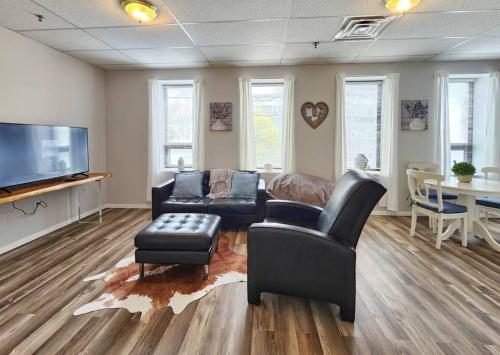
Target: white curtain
pixel 155 123
pixel 248 159
pixel 442 152
pixel 389 173
pixel 288 138
pixel 339 154
pixel 493 121
pixel 198 127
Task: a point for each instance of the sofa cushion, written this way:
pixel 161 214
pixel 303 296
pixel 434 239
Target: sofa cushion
pixel 233 206
pixel 244 184
pixel 180 232
pixel 189 184
pixel 181 204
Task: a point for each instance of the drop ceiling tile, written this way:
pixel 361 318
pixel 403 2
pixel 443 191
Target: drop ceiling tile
pixel 121 66
pixel 493 32
pixel 246 63
pixel 457 5
pixel 234 33
pixel 101 13
pixel 176 65
pixel 316 61
pixel 228 10
pixel 408 47
pixel 456 24
pixel 242 53
pixel 102 57
pixel 321 29
pixel 337 49
pixel 455 57
pixel 166 55
pixel 66 40
pixel 318 8
pixel 19 15
pixel 143 37
pixel 410 58
pixel 479 45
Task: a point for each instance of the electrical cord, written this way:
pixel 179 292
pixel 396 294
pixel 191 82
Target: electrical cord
pixel 36 204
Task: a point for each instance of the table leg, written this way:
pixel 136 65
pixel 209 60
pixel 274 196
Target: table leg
pixel 483 232
pixel 469 202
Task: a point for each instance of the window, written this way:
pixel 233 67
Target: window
pixel 363 114
pixel 178 125
pixel 267 101
pixel 461 112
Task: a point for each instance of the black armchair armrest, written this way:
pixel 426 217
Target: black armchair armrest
pixel 261 199
pixel 300 262
pixel 292 211
pixel 159 194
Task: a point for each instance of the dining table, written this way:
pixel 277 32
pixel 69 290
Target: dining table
pixel 467 193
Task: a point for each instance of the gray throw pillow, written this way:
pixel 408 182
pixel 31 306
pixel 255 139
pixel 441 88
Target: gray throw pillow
pixel 244 185
pixel 188 184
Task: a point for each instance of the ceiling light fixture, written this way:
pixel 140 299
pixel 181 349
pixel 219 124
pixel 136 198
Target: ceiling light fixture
pixel 139 10
pixel 400 6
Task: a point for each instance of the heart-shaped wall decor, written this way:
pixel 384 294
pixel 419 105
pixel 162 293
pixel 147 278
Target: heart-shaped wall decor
pixel 314 114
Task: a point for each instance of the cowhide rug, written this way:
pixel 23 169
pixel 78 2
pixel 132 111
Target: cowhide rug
pixel 174 285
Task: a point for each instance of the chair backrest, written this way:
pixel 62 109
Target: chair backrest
pixel 416 180
pixel 429 167
pixel 353 199
pixel 490 170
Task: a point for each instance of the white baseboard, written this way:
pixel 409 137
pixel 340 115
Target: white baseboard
pixel 40 234
pixel 37 235
pixel 391 213
pixel 127 205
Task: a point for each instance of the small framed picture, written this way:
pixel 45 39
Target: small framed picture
pixel 221 116
pixel 414 115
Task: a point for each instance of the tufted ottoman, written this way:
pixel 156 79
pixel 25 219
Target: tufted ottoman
pixel 178 238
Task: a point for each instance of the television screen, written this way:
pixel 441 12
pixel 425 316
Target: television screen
pixel 31 153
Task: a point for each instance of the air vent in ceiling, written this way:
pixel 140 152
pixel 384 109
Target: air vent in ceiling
pixel 362 27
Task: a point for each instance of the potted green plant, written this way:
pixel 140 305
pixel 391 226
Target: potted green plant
pixel 464 171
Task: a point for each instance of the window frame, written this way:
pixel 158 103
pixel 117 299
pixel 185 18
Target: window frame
pixel 165 84
pixel 467 147
pixel 270 83
pixel 379 81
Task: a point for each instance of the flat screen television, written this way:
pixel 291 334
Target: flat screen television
pixel 33 153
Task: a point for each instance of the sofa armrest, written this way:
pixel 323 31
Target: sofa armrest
pixel 261 199
pixel 159 194
pixel 300 261
pixel 293 211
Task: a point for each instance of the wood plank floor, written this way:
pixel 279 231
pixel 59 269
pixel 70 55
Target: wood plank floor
pixel 411 299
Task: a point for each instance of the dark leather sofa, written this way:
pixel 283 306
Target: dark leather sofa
pixel 305 251
pixel 231 210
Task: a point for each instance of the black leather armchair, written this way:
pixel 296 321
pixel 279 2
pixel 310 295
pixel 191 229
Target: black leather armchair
pixel 305 251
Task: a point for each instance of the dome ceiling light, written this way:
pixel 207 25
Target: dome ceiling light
pixel 400 6
pixel 141 11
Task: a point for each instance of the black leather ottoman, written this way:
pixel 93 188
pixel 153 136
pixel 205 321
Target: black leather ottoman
pixel 178 238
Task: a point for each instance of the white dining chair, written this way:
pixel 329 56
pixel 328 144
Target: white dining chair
pixel 488 205
pixel 431 168
pixel 434 207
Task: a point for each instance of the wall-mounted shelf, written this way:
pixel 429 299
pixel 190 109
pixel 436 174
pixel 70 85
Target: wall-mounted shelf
pixel 48 186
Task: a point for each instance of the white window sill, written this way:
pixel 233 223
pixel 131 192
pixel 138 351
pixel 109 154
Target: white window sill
pixel 274 171
pixel 175 170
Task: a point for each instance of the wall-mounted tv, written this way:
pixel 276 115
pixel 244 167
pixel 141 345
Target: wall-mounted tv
pixel 33 153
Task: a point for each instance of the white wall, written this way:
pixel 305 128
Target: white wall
pixel 43 86
pixel 127 109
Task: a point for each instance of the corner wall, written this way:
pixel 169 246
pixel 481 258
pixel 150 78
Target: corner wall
pixel 40 85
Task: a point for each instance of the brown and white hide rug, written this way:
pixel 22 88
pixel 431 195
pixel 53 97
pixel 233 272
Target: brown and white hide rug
pixel 169 285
